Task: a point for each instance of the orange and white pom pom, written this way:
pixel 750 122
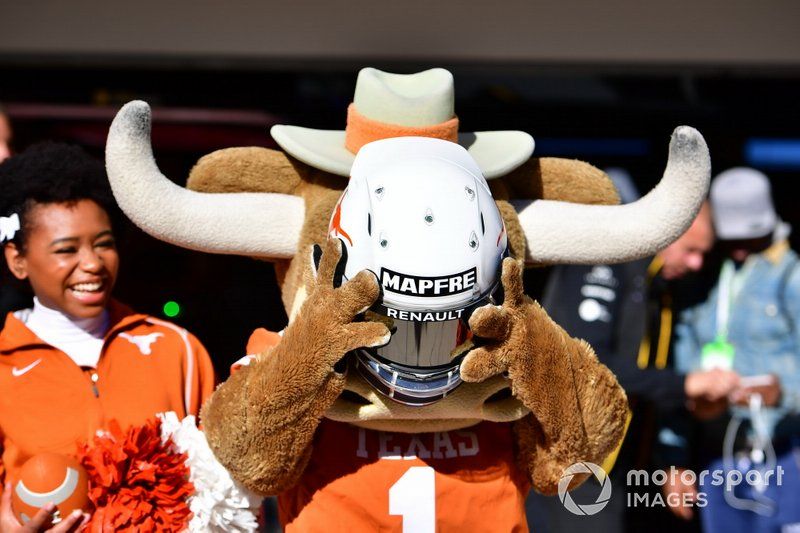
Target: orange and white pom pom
pixel 219 503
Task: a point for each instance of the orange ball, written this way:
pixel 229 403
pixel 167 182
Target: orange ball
pixel 50 477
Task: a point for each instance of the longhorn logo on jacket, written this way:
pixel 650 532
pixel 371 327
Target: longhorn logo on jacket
pixel 143 342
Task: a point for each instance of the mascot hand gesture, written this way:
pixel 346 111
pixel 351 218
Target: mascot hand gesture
pixel 288 389
pixel 524 344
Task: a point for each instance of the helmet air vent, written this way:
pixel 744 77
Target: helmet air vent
pixel 473 241
pixel 429 217
pixel 470 193
pixel 379 192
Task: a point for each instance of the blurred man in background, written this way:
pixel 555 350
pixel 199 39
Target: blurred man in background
pixel 625 313
pixel 749 325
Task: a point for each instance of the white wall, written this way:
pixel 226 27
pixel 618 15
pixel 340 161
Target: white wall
pixel 717 32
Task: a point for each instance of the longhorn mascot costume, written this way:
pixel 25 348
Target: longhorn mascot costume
pixel 416 387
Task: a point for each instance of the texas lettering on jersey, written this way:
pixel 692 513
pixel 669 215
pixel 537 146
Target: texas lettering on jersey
pixel 399 446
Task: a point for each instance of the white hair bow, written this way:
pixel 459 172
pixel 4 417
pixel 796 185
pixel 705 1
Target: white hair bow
pixel 8 227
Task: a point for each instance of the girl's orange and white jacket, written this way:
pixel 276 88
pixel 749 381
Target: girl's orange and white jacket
pixel 49 403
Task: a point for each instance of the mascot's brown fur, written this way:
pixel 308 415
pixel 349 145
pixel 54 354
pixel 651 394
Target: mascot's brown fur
pixel 564 405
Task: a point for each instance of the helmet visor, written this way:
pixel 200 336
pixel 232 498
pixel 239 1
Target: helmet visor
pixel 420 363
pixel 426 338
pixel 422 339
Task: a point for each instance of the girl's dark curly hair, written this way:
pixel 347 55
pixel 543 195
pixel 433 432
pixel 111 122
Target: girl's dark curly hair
pixel 48 173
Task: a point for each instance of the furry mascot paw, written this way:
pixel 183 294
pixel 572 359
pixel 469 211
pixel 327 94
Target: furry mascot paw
pixel 539 358
pixel 325 329
pixel 509 327
pixel 289 387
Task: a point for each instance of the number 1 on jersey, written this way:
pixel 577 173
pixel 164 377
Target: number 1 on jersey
pixel 413 497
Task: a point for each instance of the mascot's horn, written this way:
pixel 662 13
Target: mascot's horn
pixel 263 225
pixel 560 232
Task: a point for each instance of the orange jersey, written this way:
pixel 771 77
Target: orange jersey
pixel 49 403
pixel 362 480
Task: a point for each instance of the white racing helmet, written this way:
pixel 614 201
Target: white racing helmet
pixel 418 213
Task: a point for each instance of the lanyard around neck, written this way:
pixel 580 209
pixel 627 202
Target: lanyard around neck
pixel 731 281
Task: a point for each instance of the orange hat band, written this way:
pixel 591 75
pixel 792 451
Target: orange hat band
pixel 362 130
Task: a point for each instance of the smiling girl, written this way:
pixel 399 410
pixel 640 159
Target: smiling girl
pixel 77 359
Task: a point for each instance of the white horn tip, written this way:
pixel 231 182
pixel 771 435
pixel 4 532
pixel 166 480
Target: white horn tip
pixel 687 144
pixel 133 118
pixel 687 136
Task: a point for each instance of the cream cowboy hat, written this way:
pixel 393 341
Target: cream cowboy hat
pixel 396 105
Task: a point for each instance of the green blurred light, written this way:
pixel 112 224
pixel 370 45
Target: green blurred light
pixel 172 309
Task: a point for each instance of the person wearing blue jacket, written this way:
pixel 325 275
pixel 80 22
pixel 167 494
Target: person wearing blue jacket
pixel 748 324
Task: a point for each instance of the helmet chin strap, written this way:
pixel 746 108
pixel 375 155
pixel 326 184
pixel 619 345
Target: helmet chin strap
pixel 408 387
